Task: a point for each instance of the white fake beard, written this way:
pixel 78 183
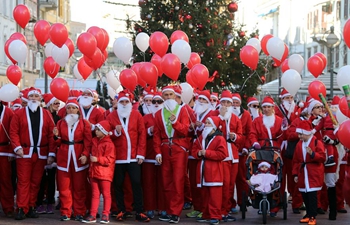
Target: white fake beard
pixel 124 111
pixel 213 105
pixel 33 105
pixel 289 106
pixel 268 121
pixel 156 108
pixel 201 108
pixel 229 112
pixel 254 112
pixel 71 119
pixel 334 109
pixel 196 103
pixel 170 104
pixel 207 131
pixel 85 101
pixel 146 109
pixel 236 110
pixel 16 107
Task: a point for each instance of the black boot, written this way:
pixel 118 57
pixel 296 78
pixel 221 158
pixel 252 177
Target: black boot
pixel 332 199
pixel 20 215
pixel 32 213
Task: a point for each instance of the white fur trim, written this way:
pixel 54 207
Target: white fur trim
pixel 302 131
pixel 227 99
pixel 267 103
pixel 214 96
pixel 123 98
pixel 203 96
pixel 264 164
pixel 212 122
pixel 252 102
pixel 285 95
pixel 236 98
pixel 33 92
pixel 102 129
pixel 168 89
pixel 73 104
pixel 53 99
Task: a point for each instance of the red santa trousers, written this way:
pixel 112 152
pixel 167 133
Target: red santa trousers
pixel 225 204
pixel 187 189
pixel 174 167
pixel 233 177
pixel 287 177
pixel 29 174
pixel 241 183
pixel 339 187
pixel 212 201
pixel 6 188
pixel 196 192
pixel 150 184
pixel 72 191
pixel 98 187
pixel 161 205
pixel 128 197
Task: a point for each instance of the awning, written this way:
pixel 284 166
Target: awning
pixel 273 10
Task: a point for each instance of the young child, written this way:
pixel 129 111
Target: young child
pixel 263 180
pixel 211 149
pixel 102 161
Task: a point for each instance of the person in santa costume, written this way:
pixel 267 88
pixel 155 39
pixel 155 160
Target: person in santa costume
pixel 102 161
pixel 145 107
pixel 153 197
pixel 7 156
pixel 214 100
pixel 32 140
pixel 171 145
pixel 129 138
pixel 24 97
pixel 88 111
pixel 95 101
pixel 73 139
pixel 73 94
pixel 210 149
pixel 308 169
pixel 253 107
pixel 16 104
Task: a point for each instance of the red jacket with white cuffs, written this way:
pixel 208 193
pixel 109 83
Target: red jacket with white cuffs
pixel 5 120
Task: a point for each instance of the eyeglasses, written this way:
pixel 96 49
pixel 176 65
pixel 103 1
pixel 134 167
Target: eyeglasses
pixel 56 103
pixel 97 129
pixel 214 100
pixel 254 106
pixel 157 101
pixel 147 100
pixel 267 106
pixel 318 107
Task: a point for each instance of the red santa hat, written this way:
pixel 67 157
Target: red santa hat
pixel 94 93
pixel 33 90
pixel 148 92
pixel 309 99
pixel 284 93
pixel 226 95
pixel 268 165
pixel 204 94
pixel 267 101
pixel 303 106
pixel 17 102
pixel 157 95
pixel 125 95
pixel 168 88
pixel 304 127
pixel 104 127
pixel 88 90
pixel 49 99
pixel 214 95
pixel 236 96
pixel 312 104
pixel 252 100
pixel 215 121
pixel 72 102
pixel 178 90
pixel 24 94
pixel 74 94
pixel 336 100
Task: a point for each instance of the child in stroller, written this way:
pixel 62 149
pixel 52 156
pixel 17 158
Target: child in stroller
pixel 263 180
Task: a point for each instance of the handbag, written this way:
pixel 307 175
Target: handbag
pixel 290 149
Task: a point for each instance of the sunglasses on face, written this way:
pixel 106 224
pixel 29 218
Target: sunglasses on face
pixel 254 106
pixel 157 101
pixel 56 103
pixel 214 100
pixel 318 107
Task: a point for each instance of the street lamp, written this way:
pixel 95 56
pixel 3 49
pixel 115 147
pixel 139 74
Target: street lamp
pixel 332 41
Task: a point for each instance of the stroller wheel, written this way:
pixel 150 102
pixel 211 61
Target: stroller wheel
pixel 285 205
pixel 244 204
pixel 264 210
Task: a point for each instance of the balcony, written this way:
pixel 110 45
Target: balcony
pixel 49 4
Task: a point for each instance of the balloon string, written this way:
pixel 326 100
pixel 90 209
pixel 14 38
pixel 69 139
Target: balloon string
pixel 247 80
pixel 195 130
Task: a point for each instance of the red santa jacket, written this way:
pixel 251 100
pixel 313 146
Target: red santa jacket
pixel 131 143
pixel 72 144
pixel 291 116
pixel 107 112
pixel 328 130
pixel 209 170
pixel 5 120
pixel 291 133
pixel 259 133
pixel 21 133
pixel 150 153
pixel 105 152
pixel 94 115
pixel 309 168
pixel 246 121
pixel 179 136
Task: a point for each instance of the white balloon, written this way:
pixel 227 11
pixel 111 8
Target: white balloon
pixel 18 51
pixel 77 73
pixel 275 47
pixel 296 62
pixel 122 48
pixel 113 79
pixel 60 55
pixel 48 49
pixel 187 92
pixel 255 43
pixel 343 77
pixel 341 117
pixel 142 41
pixel 291 81
pixel 9 93
pixel 182 50
pixel 111 92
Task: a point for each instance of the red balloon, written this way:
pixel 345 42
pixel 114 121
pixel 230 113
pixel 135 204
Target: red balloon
pixel 315 65
pixel 284 66
pixel 18 36
pixel 87 44
pixel 157 61
pixel 263 43
pixel 96 60
pixel 171 66
pixel 128 79
pixel 194 60
pixel 200 75
pixel 136 68
pixel 344 133
pixel 344 107
pixel 249 56
pixel 284 56
pixel 189 79
pixel 41 31
pixel 60 89
pixel 106 40
pixel 14 74
pixel 346 33
pixel 149 73
pixel 58 34
pixel 159 43
pixel 105 54
pixel 324 59
pixel 22 15
pixel 70 45
pixel 178 35
pixel 99 36
pixel 315 88
pixel 84 69
pixel 51 67
pixel 6 49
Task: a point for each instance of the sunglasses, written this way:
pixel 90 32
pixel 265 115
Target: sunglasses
pixel 214 100
pixel 56 103
pixel 254 106
pixel 157 101
pixel 318 107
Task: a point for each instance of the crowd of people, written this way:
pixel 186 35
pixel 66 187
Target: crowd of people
pixel 162 155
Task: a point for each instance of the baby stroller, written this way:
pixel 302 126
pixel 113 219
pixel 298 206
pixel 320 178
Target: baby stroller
pixel 264 201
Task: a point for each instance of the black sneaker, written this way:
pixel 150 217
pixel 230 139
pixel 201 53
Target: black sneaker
pixel 296 211
pixel 89 219
pixel 104 219
pixel 164 218
pixel 64 218
pixel 342 210
pixel 20 214
pixel 32 213
pixel 320 211
pixel 187 205
pixel 142 217
pixel 79 218
pixel 330 161
pixel 174 219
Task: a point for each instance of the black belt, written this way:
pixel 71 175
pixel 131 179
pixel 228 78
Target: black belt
pixel 4 143
pixel 72 142
pixel 37 146
pixel 329 128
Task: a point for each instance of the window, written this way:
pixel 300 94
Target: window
pixel 345 55
pixel 346 9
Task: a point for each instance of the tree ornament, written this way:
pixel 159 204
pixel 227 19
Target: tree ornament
pixel 189 2
pixel 188 17
pixel 232 7
pixel 190 26
pixel 241 34
pixel 223 84
pixel 177 7
pixel 142 2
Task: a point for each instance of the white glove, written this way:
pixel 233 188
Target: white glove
pixel 316 121
pixel 328 140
